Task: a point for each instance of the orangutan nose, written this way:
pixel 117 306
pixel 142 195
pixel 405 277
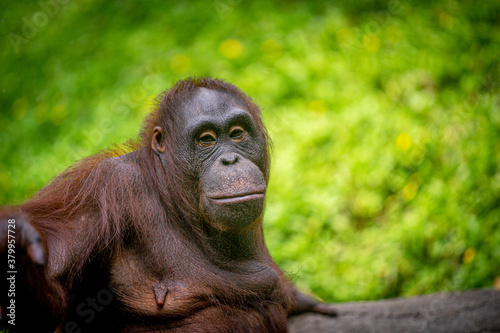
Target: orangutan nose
pixel 228 159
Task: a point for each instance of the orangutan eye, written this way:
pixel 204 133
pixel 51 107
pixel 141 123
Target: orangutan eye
pixel 207 139
pixel 237 133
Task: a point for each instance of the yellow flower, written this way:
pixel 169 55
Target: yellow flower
pixel 403 141
pixel 469 255
pixel 231 48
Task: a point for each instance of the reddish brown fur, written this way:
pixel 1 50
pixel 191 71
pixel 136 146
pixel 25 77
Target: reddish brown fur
pixel 107 198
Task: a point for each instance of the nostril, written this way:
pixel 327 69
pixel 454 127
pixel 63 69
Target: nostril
pixel 229 159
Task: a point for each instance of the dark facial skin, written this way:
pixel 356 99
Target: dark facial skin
pixel 226 153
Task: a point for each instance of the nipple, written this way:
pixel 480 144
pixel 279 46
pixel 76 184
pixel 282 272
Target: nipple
pixel 160 290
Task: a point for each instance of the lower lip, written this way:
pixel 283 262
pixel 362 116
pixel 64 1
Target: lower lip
pixel 243 198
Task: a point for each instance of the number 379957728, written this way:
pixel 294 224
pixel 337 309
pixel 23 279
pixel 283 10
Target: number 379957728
pixel 11 241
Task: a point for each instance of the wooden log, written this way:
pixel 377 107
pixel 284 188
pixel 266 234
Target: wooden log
pixel 469 311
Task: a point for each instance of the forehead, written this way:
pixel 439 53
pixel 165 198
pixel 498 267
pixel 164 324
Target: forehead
pixel 210 103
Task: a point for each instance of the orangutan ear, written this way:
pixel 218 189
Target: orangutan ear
pixel 158 141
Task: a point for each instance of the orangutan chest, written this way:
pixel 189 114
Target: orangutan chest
pixel 136 287
pixel 169 292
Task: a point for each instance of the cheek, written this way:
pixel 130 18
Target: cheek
pixel 257 153
pixel 192 162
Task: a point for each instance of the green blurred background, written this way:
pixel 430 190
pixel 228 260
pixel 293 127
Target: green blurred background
pixel 385 118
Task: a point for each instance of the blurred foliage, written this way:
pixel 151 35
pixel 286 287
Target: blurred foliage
pixel 384 115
